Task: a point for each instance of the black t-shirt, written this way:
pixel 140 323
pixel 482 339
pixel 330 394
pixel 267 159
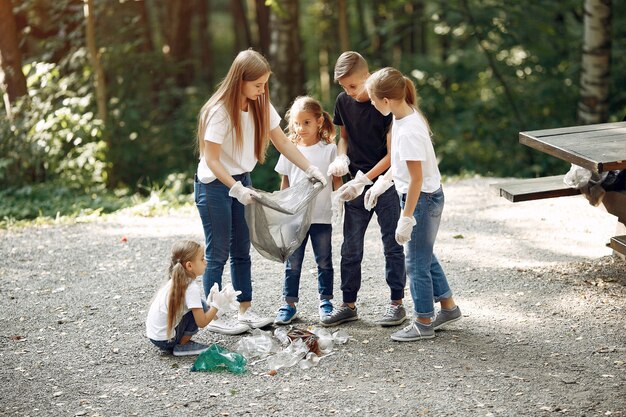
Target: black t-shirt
pixel 367 131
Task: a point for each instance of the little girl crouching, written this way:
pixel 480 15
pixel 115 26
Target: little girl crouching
pixel 178 308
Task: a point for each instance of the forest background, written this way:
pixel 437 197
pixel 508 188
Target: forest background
pixel 101 96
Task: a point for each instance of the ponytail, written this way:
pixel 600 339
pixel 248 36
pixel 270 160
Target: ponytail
pixel 327 129
pixel 410 94
pixel 182 252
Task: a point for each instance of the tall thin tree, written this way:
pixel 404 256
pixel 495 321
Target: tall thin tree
pixel 286 54
pixel 94 56
pixel 593 106
pixel 10 55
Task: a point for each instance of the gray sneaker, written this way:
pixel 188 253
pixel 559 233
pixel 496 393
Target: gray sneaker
pixel 446 316
pixel 395 314
pixel 189 349
pixel 414 331
pixel 340 315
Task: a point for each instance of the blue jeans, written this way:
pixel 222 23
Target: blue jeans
pixel 186 327
pixel 427 279
pixel 225 233
pixel 321 236
pixel 356 220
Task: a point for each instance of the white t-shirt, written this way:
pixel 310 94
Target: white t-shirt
pixel 218 130
pixel 321 155
pixel 410 141
pixel 156 323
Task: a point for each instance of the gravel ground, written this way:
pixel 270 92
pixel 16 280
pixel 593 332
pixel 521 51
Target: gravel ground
pixel 544 306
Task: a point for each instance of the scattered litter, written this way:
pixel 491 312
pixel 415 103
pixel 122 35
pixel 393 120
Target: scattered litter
pixel 217 358
pixel 289 347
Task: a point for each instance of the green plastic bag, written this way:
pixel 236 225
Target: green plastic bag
pixel 217 358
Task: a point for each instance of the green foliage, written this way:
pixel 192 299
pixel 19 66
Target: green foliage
pixel 54 134
pixel 485 70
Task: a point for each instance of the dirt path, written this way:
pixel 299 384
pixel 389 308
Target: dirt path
pixel 543 332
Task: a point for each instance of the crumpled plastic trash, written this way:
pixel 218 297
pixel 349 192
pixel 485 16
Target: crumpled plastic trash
pixel 217 358
pixel 288 357
pixel 326 340
pixel 259 345
pixel 279 221
pixel 577 177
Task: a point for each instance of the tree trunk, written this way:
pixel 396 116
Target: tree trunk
pixel 94 56
pixel 179 38
pixel 286 54
pixel 596 58
pixel 342 17
pixel 205 41
pixel 140 8
pixel 420 32
pixel 10 55
pixel 243 39
pixel 263 24
pixel 153 17
pixel 379 42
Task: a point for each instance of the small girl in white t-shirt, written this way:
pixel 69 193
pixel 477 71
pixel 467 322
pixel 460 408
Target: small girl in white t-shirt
pixel 416 176
pixel 312 130
pixel 179 308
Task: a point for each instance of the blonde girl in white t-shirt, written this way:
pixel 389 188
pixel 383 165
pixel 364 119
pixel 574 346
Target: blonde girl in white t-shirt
pixel 312 130
pixel 416 176
pixel 234 129
pixel 178 308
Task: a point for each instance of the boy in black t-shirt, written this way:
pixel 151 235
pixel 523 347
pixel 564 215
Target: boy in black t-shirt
pixel 363 152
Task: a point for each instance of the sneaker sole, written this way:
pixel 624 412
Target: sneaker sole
pixel 336 323
pixel 259 325
pixel 229 332
pixel 391 323
pixel 411 339
pixel 190 353
pixel 286 321
pixel 446 323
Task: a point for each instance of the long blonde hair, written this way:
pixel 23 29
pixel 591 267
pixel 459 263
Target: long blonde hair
pixel 310 105
pixel 391 84
pixel 182 252
pixel 249 65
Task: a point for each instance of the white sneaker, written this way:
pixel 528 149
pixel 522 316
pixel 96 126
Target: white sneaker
pixel 227 326
pixel 254 321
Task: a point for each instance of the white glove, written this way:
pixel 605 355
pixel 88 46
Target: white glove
pixel 314 172
pixel 336 206
pixel 339 167
pixel 381 185
pixel 224 300
pixel 353 188
pixel 243 194
pixel 404 229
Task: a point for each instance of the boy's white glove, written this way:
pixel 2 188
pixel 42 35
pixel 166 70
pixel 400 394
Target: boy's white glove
pixel 353 188
pixel 339 167
pixel 224 300
pixel 314 172
pixel 336 205
pixel 381 185
pixel 243 194
pixel 404 229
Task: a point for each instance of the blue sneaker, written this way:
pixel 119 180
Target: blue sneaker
pixel 326 308
pixel 285 314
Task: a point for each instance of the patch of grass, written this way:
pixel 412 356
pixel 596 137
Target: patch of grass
pixel 53 204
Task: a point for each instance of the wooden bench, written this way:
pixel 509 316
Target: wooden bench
pixel 618 244
pixel 534 189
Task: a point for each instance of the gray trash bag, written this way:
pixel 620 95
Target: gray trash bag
pixel 279 221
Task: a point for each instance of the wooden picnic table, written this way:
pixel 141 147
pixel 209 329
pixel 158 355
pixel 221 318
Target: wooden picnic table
pixel 600 147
